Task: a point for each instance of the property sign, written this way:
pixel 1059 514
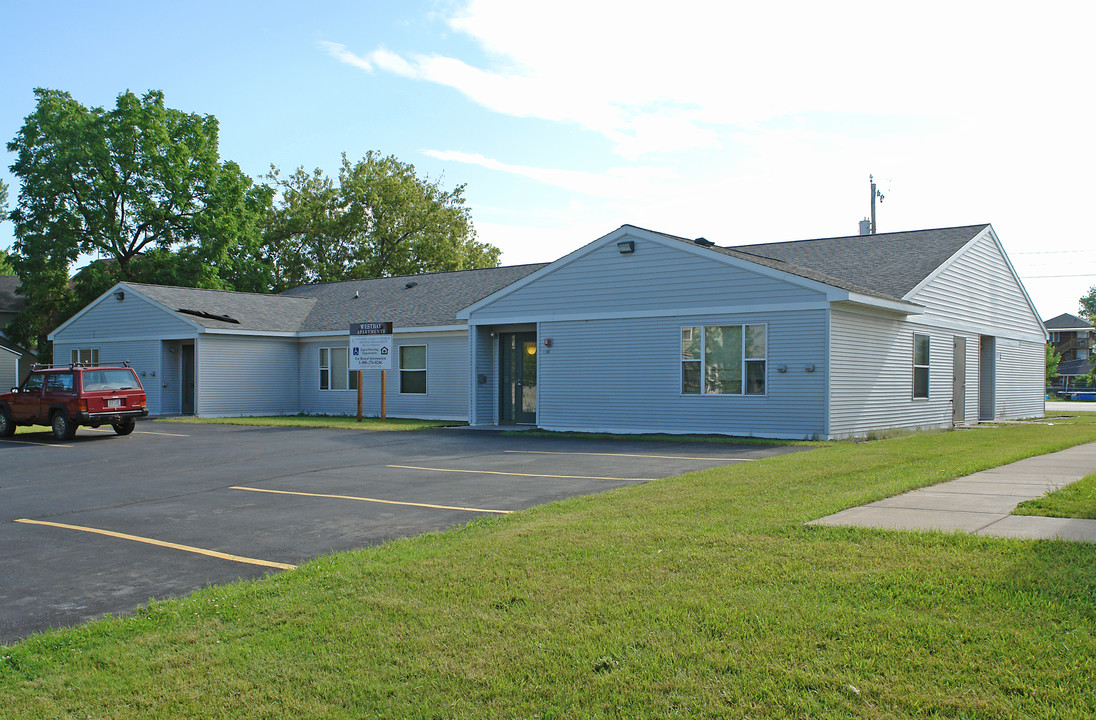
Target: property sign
pixel 371 346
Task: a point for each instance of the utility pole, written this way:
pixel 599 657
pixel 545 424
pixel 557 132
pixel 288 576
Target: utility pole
pixel 874 193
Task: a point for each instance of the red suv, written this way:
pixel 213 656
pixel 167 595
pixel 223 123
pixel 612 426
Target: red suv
pixel 67 396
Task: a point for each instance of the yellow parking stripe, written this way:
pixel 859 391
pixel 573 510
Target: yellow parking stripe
pixel 135 432
pixel 161 543
pixel 653 457
pixel 494 472
pixel 372 500
pixel 31 442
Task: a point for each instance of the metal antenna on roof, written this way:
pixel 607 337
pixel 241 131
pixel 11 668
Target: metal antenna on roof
pixel 874 194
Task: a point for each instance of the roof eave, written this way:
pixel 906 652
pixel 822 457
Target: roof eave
pixel 896 306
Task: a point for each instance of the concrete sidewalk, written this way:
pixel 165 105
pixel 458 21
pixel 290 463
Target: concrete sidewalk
pixel 981 503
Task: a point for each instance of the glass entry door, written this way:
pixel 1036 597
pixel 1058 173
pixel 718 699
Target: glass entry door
pixel 518 378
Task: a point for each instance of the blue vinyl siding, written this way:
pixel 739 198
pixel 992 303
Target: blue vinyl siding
pixel 625 376
pixel 446 396
pixel 142 355
pixel 244 375
pixel 132 318
pixel 656 278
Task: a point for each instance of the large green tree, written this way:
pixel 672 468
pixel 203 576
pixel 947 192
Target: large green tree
pixel 142 187
pixel 379 219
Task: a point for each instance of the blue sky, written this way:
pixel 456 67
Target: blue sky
pixel 740 122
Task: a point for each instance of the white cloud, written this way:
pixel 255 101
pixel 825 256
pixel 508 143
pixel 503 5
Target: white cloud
pixel 633 183
pixel 663 78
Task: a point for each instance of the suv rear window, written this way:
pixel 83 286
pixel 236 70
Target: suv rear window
pixel 110 380
pixel 59 382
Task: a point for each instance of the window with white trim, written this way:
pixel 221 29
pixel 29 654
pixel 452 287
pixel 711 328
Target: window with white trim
pixel 921 357
pixel 84 356
pixel 334 372
pixel 413 369
pixel 723 360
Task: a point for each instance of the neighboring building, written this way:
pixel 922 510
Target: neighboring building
pixel 1072 338
pixel 637 331
pixel 15 361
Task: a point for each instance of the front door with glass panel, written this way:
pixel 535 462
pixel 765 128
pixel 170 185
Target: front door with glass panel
pixel 518 378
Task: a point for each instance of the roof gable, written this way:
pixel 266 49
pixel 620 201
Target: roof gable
pixel 889 265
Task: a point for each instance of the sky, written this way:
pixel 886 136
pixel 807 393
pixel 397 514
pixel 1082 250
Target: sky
pixel 742 122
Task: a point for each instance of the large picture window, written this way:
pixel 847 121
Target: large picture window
pixel 334 373
pixel 723 360
pixel 920 365
pixel 413 369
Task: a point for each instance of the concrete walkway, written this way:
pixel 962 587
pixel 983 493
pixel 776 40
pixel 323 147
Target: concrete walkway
pixel 981 503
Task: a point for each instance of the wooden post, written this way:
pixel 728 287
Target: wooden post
pixel 359 395
pixel 384 395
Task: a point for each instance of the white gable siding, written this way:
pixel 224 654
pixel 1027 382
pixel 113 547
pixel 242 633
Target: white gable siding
pixel 625 376
pixel 446 395
pixel 1021 379
pixel 978 291
pixel 871 361
pixel 655 278
pixel 242 375
pixel 133 318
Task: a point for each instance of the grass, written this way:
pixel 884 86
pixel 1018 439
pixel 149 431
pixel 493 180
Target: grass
pixel 321 421
pixel 1077 500
pixel 697 596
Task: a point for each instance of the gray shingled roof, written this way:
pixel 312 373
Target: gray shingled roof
pixel 1065 321
pixel 432 301
pixel 1073 368
pixel 886 265
pixel 254 311
pixel 9 301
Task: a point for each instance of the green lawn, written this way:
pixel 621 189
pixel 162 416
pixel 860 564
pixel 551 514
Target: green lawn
pixel 697 596
pixel 320 421
pixel 1073 501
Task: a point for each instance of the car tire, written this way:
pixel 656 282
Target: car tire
pixel 63 427
pixel 7 425
pixel 124 426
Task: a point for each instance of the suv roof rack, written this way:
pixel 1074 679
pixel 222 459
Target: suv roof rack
pixel 74 365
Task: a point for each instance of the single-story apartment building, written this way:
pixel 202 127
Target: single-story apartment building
pixel 637 331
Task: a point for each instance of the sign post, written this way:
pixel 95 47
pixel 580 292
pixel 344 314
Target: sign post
pixel 371 349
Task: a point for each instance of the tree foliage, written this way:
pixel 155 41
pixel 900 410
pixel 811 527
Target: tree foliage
pixel 379 219
pixel 1053 358
pixel 1088 305
pixel 141 186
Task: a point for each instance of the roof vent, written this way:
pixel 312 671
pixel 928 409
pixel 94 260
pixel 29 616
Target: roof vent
pixel 411 284
pixel 209 315
pixel 356 295
pixel 703 242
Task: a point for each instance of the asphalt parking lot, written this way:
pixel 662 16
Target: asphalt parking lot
pixel 103 523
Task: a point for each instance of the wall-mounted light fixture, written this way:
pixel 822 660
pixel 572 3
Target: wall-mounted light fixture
pixel 119 295
pixel 626 247
pixel 782 368
pixel 809 368
pixel 531 349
